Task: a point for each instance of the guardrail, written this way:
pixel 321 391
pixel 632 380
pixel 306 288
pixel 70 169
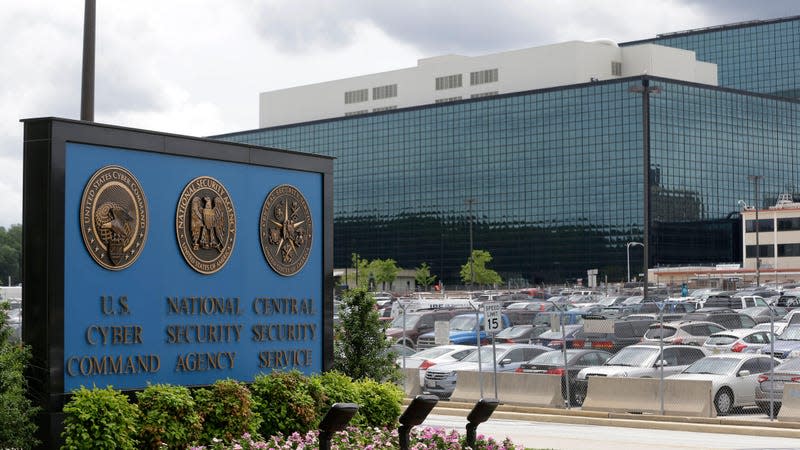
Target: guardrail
pixel 790 403
pixel 690 398
pixel 524 389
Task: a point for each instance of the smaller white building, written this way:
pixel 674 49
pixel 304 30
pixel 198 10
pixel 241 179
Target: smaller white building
pixel 456 77
pixel 776 232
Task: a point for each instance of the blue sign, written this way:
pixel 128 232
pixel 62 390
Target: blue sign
pixel 159 320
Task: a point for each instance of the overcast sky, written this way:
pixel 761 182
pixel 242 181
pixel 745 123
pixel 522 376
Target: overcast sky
pixel 196 67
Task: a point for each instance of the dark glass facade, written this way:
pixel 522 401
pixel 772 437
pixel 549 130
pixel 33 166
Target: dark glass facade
pixel 758 56
pixel 551 180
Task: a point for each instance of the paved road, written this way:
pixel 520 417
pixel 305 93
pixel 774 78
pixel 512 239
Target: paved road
pixel 569 436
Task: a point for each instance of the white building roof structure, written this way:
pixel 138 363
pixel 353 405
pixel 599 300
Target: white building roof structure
pixel 455 77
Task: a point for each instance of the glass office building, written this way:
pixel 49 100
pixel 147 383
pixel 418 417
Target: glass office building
pixel 551 181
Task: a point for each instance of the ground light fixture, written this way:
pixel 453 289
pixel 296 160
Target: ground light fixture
pixel 414 415
pixel 335 420
pixel 480 413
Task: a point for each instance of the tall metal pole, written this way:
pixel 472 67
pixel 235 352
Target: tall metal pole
pixel 628 251
pixel 756 179
pixel 470 201
pixel 87 77
pixel 646 180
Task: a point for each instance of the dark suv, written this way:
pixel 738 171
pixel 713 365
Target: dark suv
pixel 728 318
pixel 418 323
pixel 612 335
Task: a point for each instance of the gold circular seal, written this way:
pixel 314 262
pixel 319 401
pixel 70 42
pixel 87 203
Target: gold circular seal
pixel 113 217
pixel 285 230
pixel 206 225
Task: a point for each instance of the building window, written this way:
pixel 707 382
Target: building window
pixel 384 108
pixel 388 91
pixel 355 113
pixel 788 250
pixel 361 95
pixel 763 225
pixel 483 94
pixel 448 99
pixel 483 76
pixel 448 82
pixel 789 224
pixel 616 68
pixel 767 250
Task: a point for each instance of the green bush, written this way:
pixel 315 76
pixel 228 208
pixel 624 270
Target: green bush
pixel 227 411
pixel 336 387
pixel 99 419
pixel 17 426
pixel 168 417
pixel 379 403
pixel 287 402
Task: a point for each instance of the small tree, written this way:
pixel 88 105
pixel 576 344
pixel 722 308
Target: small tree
pixel 17 413
pixel 423 276
pixel 361 349
pixel 361 272
pixel 384 271
pixel 483 275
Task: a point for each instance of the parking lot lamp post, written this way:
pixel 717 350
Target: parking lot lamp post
pixel 756 179
pixel 771 361
pixel 628 251
pixel 470 201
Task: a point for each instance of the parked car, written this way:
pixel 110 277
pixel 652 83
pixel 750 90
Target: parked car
pixel 733 302
pixel 522 334
pixel 524 313
pixel 555 340
pixel 553 363
pixel 441 379
pixel 788 300
pixel 417 323
pixel 596 334
pixel 761 313
pixel 429 357
pixel 777 327
pixel 640 361
pixel 733 376
pixel 728 318
pixel 771 388
pixel 786 344
pixel 465 329
pixel 742 340
pixel 681 332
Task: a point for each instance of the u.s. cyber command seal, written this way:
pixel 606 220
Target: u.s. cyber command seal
pixel 206 225
pixel 285 230
pixel 113 217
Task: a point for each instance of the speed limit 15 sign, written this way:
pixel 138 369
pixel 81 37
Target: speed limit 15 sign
pixel 493 322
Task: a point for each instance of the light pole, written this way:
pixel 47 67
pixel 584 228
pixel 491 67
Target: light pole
pixel 645 89
pixel 469 202
pixel 628 251
pixel 756 179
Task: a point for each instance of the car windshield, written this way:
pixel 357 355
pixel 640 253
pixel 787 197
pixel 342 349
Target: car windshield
pixel 607 301
pixel 521 305
pixel 486 355
pixel 462 323
pixel 714 366
pixel 431 352
pixel 790 334
pixel 411 321
pixel 659 333
pixel 512 332
pixel 554 358
pixel 633 357
pixel 721 339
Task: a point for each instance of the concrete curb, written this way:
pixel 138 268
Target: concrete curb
pixel 672 423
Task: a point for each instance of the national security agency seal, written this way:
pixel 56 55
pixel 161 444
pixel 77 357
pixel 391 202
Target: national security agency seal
pixel 113 217
pixel 206 225
pixel 285 230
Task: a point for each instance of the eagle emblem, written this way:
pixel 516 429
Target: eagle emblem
pixel 286 227
pixel 114 217
pixel 206 224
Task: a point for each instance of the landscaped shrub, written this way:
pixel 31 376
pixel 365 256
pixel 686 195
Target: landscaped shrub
pixel 378 403
pixel 336 387
pixel 227 411
pixel 99 419
pixel 287 402
pixel 169 417
pixel 17 426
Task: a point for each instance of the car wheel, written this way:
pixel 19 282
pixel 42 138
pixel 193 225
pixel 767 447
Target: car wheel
pixel 723 402
pixel 578 395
